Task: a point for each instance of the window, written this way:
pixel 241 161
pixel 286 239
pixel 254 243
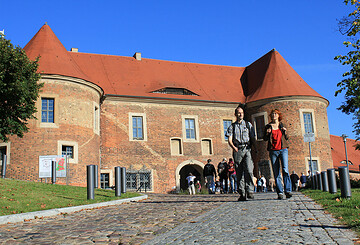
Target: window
pixel 2 153
pixel 308 122
pixel 5 150
pixel 176 146
pixel 226 124
pixel 259 127
pixel 67 151
pixel 344 162
pixel 137 127
pixel 139 180
pixel 313 166
pixel 104 180
pixel 259 120
pixel 70 149
pixel 96 119
pixel 190 128
pixel 47 110
pixel 206 147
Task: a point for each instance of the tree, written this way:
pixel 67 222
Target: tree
pixel 19 90
pixel 350 26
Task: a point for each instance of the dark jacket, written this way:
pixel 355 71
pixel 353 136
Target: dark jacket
pixel 209 170
pixel 268 137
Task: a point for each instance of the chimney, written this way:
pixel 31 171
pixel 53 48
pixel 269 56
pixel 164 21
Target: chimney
pixel 75 50
pixel 137 56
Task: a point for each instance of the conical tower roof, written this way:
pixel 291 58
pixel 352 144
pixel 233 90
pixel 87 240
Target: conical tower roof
pixel 271 76
pixel 54 59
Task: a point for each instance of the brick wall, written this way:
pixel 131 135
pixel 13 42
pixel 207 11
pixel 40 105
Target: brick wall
pixel 74 122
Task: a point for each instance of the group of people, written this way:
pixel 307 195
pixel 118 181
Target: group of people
pixel 241 138
pixel 223 179
pixel 238 171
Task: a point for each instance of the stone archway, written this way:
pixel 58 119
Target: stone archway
pixel 184 169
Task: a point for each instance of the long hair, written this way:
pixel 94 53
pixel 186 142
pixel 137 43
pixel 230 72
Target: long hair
pixel 278 112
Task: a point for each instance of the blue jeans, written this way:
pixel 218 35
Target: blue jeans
pixel 210 183
pixel 233 184
pixel 276 157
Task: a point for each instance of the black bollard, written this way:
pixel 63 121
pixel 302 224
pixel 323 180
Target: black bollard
pixel 324 180
pixel 319 181
pixel 123 180
pixel 96 179
pixel 345 182
pixel 314 182
pixel 53 172
pixel 332 180
pixel 90 169
pixel 117 182
pixel 3 171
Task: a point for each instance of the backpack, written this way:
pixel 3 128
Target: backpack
pixel 208 169
pixel 221 167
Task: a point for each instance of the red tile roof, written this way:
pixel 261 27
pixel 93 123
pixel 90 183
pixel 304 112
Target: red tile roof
pixel 338 152
pixel 270 76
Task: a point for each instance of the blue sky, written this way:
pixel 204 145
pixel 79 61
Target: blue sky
pixel 234 33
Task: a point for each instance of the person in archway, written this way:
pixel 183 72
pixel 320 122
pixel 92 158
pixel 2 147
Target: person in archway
pixel 191 183
pixel 275 134
pixel 241 135
pixel 209 174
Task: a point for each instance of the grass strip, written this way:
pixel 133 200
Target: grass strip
pixel 347 211
pixel 18 196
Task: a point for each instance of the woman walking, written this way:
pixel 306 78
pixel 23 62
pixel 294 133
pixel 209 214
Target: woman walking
pixel 275 134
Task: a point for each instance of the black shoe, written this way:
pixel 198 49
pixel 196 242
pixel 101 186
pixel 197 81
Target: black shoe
pixel 280 196
pixel 242 198
pixel 250 196
pixel 288 194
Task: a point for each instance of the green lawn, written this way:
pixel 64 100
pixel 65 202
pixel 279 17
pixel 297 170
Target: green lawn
pixel 21 196
pixel 347 211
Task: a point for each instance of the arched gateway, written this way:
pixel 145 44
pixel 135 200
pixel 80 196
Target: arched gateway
pixel 182 171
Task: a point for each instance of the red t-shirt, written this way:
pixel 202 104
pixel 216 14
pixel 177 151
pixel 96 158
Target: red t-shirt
pixel 276 140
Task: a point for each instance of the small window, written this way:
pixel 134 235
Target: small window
pixel 137 126
pixel 139 180
pixel 314 166
pixel 47 110
pixel 176 146
pixel 206 147
pixel 190 128
pixel 260 127
pixel 226 124
pixel 2 153
pixel 344 162
pixel 105 180
pixel 96 119
pixel 308 122
pixel 68 151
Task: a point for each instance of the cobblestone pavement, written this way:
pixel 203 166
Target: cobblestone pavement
pixel 178 219
pixel 264 220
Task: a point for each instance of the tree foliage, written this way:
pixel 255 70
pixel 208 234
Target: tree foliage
pixel 350 26
pixel 19 90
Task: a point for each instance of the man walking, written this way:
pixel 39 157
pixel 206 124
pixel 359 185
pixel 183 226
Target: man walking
pixel 209 173
pixel 241 134
pixel 223 176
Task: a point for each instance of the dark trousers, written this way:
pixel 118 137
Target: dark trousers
pixel 224 188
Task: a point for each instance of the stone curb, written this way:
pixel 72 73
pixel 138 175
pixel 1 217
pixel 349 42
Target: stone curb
pixel 14 218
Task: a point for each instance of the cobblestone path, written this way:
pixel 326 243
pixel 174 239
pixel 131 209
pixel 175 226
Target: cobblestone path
pixel 179 219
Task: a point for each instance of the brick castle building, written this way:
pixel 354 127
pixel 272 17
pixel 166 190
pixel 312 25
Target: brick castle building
pixel 159 119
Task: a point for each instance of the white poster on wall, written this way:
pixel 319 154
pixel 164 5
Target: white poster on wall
pixel 45 166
